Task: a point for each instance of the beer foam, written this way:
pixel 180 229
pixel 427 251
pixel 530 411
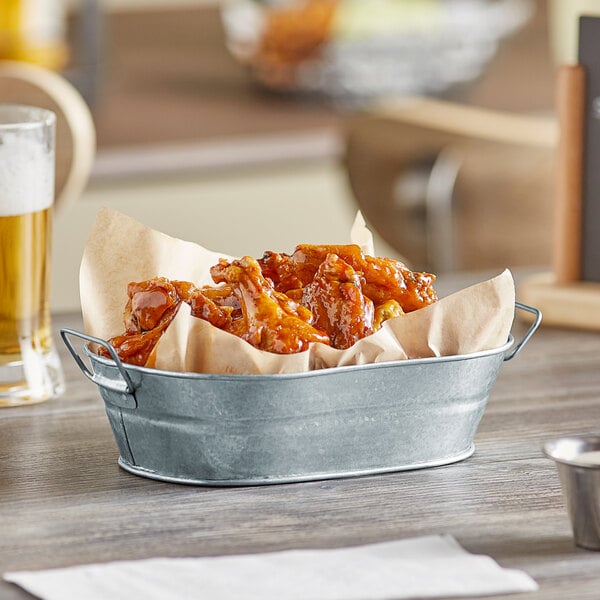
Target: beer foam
pixel 26 174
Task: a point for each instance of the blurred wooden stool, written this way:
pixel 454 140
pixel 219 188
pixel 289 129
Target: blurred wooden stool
pixel 455 187
pixel 21 83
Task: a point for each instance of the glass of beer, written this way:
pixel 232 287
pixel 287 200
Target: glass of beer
pixel 30 370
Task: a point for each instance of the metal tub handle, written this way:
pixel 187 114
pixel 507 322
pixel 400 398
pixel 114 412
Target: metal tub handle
pixel 125 386
pixel 536 323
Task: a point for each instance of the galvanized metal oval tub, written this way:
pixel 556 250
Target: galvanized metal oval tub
pixel 226 430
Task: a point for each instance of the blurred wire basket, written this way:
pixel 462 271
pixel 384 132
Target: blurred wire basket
pixel 354 51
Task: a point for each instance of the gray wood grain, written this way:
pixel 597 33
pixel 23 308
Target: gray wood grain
pixel 64 500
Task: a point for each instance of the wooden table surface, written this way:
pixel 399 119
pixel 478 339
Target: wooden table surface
pixel 64 500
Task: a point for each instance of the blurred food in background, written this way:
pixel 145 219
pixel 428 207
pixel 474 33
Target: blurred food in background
pixel 180 92
pixel 357 50
pixel 290 36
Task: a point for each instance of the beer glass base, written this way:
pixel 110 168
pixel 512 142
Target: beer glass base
pixel 35 379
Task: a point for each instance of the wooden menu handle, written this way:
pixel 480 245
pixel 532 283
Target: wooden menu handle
pixel 568 204
pixel 22 83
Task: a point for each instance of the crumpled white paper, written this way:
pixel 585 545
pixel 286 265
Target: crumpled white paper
pixel 428 567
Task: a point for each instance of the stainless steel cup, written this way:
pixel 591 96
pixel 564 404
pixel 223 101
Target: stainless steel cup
pixel 578 463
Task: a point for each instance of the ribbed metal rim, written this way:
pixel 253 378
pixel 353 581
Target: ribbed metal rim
pixel 550 452
pixel 304 374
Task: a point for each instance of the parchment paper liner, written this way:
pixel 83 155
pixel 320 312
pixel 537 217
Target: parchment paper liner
pixel 120 249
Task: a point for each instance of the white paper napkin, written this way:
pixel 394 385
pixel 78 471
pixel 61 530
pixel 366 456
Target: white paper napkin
pixel 426 567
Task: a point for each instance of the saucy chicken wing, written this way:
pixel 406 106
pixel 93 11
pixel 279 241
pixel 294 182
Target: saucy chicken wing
pixel 149 304
pixel 281 303
pixel 204 307
pixel 385 311
pixel 339 307
pixel 272 321
pixel 384 279
pixel 151 307
pixel 294 32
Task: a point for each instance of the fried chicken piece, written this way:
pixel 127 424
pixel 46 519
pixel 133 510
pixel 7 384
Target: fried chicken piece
pixel 294 32
pixel 284 271
pixel 149 302
pixel 134 348
pixel 271 321
pixel 384 278
pixel 388 279
pixel 336 300
pixel 289 273
pixel 151 307
pixel 203 307
pixel 281 303
pixel 223 295
pixel 385 311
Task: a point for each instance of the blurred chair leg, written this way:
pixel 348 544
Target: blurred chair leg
pixel 453 186
pixel 439 211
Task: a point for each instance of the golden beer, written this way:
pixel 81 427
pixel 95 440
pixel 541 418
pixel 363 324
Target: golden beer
pixel 34 31
pixel 24 278
pixel 29 367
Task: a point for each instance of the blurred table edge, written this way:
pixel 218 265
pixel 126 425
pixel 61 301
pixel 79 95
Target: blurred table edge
pixel 215 156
